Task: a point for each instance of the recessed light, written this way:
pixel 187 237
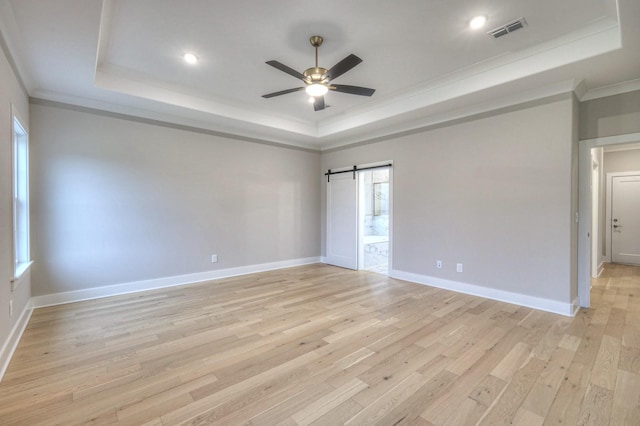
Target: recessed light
pixel 190 58
pixel 478 22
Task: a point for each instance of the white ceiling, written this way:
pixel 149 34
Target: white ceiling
pixel 425 63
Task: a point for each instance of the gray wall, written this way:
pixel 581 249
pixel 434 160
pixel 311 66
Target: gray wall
pixel 610 116
pixel 117 201
pixel 11 95
pixel 494 194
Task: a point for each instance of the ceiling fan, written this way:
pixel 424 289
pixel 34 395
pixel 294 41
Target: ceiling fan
pixel 317 80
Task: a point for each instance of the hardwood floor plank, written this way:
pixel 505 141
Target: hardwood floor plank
pixel 544 391
pixel 328 402
pixel 629 359
pixel 605 368
pixel 524 417
pixel 512 362
pixel 506 405
pixel 279 413
pixel 596 408
pixel 631 336
pixel 338 415
pixel 409 411
pixel 626 399
pixel 468 413
pixel 566 406
pixel 487 391
pixel 382 378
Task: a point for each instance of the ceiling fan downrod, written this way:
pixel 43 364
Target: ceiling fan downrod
pixel 316 41
pixel 316 74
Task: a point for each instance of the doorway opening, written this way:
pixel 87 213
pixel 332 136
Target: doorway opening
pixel 359 217
pixel 374 207
pixel 615 198
pixel 600 161
pixel 623 221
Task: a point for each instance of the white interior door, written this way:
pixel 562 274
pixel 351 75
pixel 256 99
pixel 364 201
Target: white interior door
pixel 342 221
pixel 625 220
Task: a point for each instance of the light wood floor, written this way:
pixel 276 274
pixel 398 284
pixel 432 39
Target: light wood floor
pixel 326 346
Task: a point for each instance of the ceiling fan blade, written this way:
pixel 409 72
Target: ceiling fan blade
pixel 343 66
pixel 352 90
pixel 288 70
pixel 282 92
pixel 318 104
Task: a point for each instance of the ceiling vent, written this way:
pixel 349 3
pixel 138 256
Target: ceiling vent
pixel 508 28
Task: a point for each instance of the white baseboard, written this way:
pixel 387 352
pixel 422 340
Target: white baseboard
pixel 10 345
pixel 575 305
pixel 137 286
pixel 567 309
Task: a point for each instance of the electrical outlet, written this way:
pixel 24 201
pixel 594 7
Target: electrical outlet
pixel 459 267
pixel 439 264
pixel 214 258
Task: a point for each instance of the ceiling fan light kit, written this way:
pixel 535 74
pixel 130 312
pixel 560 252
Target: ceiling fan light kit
pixel 316 89
pixel 318 79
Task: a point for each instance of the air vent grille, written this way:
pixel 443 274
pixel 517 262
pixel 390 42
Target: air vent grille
pixel 508 28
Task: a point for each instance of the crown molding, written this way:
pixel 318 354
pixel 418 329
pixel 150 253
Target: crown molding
pixel 612 90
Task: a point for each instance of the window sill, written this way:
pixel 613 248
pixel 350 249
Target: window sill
pixel 20 271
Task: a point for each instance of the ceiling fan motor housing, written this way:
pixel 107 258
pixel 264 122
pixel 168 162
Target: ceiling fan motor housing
pixel 314 75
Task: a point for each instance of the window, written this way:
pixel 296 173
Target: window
pixel 22 258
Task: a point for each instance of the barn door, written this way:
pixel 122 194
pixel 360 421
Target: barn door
pixel 342 221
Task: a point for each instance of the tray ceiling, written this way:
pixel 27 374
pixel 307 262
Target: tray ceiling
pixel 420 55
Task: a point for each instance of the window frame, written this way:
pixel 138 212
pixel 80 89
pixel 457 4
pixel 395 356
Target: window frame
pixel 20 201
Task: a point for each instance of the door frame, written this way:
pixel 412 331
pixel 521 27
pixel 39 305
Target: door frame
pixel 609 210
pixel 584 208
pixel 358 234
pixel 595 219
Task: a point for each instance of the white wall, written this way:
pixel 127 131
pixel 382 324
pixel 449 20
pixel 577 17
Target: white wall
pixel 494 194
pixel 12 97
pixel 117 201
pixel 622 161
